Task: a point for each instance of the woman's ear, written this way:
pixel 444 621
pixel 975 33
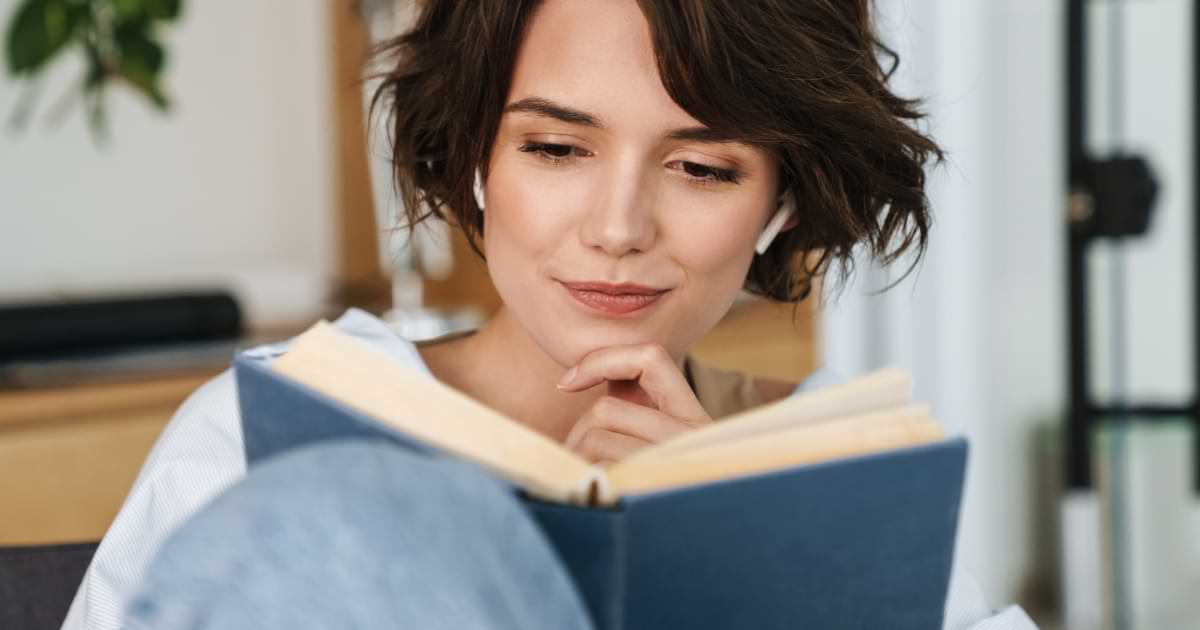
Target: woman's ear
pixel 789 201
pixel 783 219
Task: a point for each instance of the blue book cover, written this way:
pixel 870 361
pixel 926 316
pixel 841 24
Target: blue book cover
pixel 862 542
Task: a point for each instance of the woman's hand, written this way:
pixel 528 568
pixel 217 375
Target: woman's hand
pixel 648 400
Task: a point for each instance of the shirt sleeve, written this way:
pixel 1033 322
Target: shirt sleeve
pixel 198 454
pixel 966 607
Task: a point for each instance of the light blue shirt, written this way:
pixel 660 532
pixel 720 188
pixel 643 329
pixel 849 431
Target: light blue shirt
pixel 199 454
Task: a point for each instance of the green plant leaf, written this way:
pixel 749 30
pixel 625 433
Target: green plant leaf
pixel 141 60
pixel 37 32
pixel 138 50
pixel 165 10
pixel 80 17
pixel 127 9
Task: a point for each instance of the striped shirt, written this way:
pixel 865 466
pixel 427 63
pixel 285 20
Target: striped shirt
pixel 199 454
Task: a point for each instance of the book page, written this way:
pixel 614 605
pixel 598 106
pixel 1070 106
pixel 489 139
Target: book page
pixel 881 389
pixel 363 378
pixel 867 433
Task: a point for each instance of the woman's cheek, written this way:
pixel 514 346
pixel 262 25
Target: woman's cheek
pixel 531 209
pixel 716 254
pixel 707 295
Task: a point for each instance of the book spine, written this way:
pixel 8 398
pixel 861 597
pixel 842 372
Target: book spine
pixel 591 545
pixel 595 491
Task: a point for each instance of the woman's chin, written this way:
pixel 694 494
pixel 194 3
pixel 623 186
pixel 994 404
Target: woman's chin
pixel 577 339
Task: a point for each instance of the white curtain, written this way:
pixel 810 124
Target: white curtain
pixel 979 321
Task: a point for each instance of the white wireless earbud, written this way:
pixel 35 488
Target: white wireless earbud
pixel 787 205
pixel 479 189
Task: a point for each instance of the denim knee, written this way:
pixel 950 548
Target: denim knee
pixel 360 534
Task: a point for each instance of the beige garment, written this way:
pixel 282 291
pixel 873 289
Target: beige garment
pixel 722 393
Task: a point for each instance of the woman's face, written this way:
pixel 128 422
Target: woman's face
pixel 597 176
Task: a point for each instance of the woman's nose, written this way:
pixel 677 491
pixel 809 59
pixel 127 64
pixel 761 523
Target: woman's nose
pixel 620 220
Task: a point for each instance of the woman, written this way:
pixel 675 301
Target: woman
pixel 627 167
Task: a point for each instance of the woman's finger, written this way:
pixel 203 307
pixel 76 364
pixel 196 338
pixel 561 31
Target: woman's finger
pixel 651 366
pixel 621 416
pixel 599 445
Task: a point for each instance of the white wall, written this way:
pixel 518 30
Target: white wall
pixel 233 187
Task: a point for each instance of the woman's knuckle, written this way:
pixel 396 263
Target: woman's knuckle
pixel 590 442
pixel 604 407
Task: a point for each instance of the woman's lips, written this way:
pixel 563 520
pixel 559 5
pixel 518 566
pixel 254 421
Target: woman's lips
pixel 614 299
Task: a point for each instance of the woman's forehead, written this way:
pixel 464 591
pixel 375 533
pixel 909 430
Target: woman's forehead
pixel 597 58
pixel 591 65
pixel 565 34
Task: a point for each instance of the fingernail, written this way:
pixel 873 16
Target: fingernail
pixel 568 377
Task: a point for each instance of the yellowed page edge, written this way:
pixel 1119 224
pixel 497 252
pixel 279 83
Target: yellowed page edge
pixel 347 370
pixel 868 433
pixel 881 389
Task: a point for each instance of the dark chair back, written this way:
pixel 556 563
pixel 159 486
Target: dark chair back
pixel 37 584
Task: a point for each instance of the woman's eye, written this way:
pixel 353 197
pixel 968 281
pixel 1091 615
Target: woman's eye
pixel 555 153
pixel 695 172
pixel 707 175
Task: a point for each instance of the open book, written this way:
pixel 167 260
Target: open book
pixel 869 414
pixel 835 508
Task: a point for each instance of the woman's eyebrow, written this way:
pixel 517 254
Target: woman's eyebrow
pixel 549 109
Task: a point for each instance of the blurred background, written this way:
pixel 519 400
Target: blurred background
pixel 179 179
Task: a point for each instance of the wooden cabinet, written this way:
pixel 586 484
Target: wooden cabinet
pixel 69 455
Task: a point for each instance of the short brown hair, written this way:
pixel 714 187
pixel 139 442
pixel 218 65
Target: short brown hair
pixel 801 79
